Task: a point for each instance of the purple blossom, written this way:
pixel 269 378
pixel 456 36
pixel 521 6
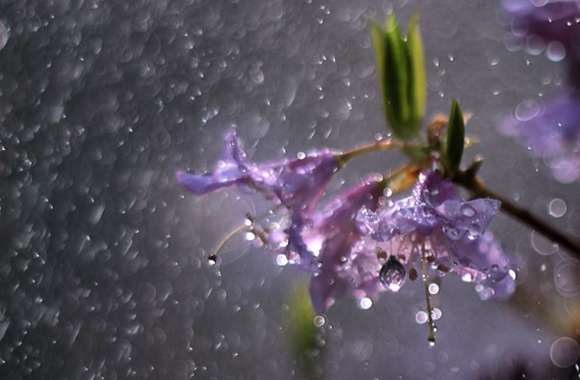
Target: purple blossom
pixel 345 260
pixel 552 133
pixel 297 183
pixel 556 20
pixel 436 226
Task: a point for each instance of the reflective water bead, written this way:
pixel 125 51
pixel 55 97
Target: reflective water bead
pixel 392 274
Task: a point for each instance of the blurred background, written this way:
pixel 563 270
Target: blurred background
pixel 103 269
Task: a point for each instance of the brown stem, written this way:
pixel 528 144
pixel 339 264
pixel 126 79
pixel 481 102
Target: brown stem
pixel 383 144
pixel 478 188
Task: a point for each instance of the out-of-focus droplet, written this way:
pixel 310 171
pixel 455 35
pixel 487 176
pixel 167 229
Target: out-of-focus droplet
pixel 557 208
pixel 556 51
pixel 567 278
pixel 542 245
pixel 319 321
pixel 527 110
pixel 4 35
pixel 564 352
pixel 421 317
pixel 433 289
pixel 365 303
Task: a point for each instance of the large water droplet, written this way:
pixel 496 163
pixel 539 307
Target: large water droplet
pixel 421 317
pixel 557 208
pixel 392 274
pixel 564 352
pixel 556 51
pixel 527 110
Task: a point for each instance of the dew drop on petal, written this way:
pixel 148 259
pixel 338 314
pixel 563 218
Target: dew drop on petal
pixel 468 211
pixel 392 274
pixel 557 208
pixel 564 352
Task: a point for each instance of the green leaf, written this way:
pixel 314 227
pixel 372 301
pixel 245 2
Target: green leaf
pixel 397 79
pixel 401 73
pixel 302 331
pixel 455 140
pixel 417 61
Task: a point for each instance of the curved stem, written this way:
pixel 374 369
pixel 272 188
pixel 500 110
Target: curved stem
pixel 478 188
pixel 383 144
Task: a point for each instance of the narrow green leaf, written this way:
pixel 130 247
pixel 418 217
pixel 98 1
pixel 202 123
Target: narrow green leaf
pixel 455 139
pixel 397 79
pixel 380 46
pixel 417 61
pixel 302 332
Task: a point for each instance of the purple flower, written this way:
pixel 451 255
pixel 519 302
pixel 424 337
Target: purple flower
pixel 434 225
pixel 345 261
pixel 297 183
pixel 557 20
pixel 552 133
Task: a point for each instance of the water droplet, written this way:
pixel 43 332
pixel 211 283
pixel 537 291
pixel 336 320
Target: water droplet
pixel 527 110
pixel 212 260
pixel 392 274
pixel 433 289
pixel 468 211
pixel 365 303
pixel 452 233
pixel 250 236
pixel 281 260
pixel 556 51
pixel 467 277
pixel 564 352
pixel 301 155
pixel 421 317
pixel 436 314
pixel 557 208
pixel 542 245
pixel 319 321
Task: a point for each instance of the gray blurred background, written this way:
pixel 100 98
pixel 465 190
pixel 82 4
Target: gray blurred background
pixel 102 256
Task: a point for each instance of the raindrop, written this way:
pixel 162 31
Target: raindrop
pixel 4 35
pixel 564 352
pixel 319 321
pixel 556 51
pixel 468 211
pixel 557 208
pixel 436 314
pixel 392 274
pixel 527 110
pixel 421 317
pixel 567 278
pixel 281 260
pixel 433 289
pixel 542 245
pixel 212 260
pixel 365 303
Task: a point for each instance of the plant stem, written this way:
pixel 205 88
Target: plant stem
pixel 477 187
pixel 383 144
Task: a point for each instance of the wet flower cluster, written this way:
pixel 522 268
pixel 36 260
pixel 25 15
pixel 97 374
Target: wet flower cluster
pixel 551 130
pixel 365 240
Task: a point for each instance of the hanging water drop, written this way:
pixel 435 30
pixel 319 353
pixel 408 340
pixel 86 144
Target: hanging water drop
pixel 392 274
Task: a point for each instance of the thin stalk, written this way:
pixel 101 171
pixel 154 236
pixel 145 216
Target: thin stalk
pixel 477 188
